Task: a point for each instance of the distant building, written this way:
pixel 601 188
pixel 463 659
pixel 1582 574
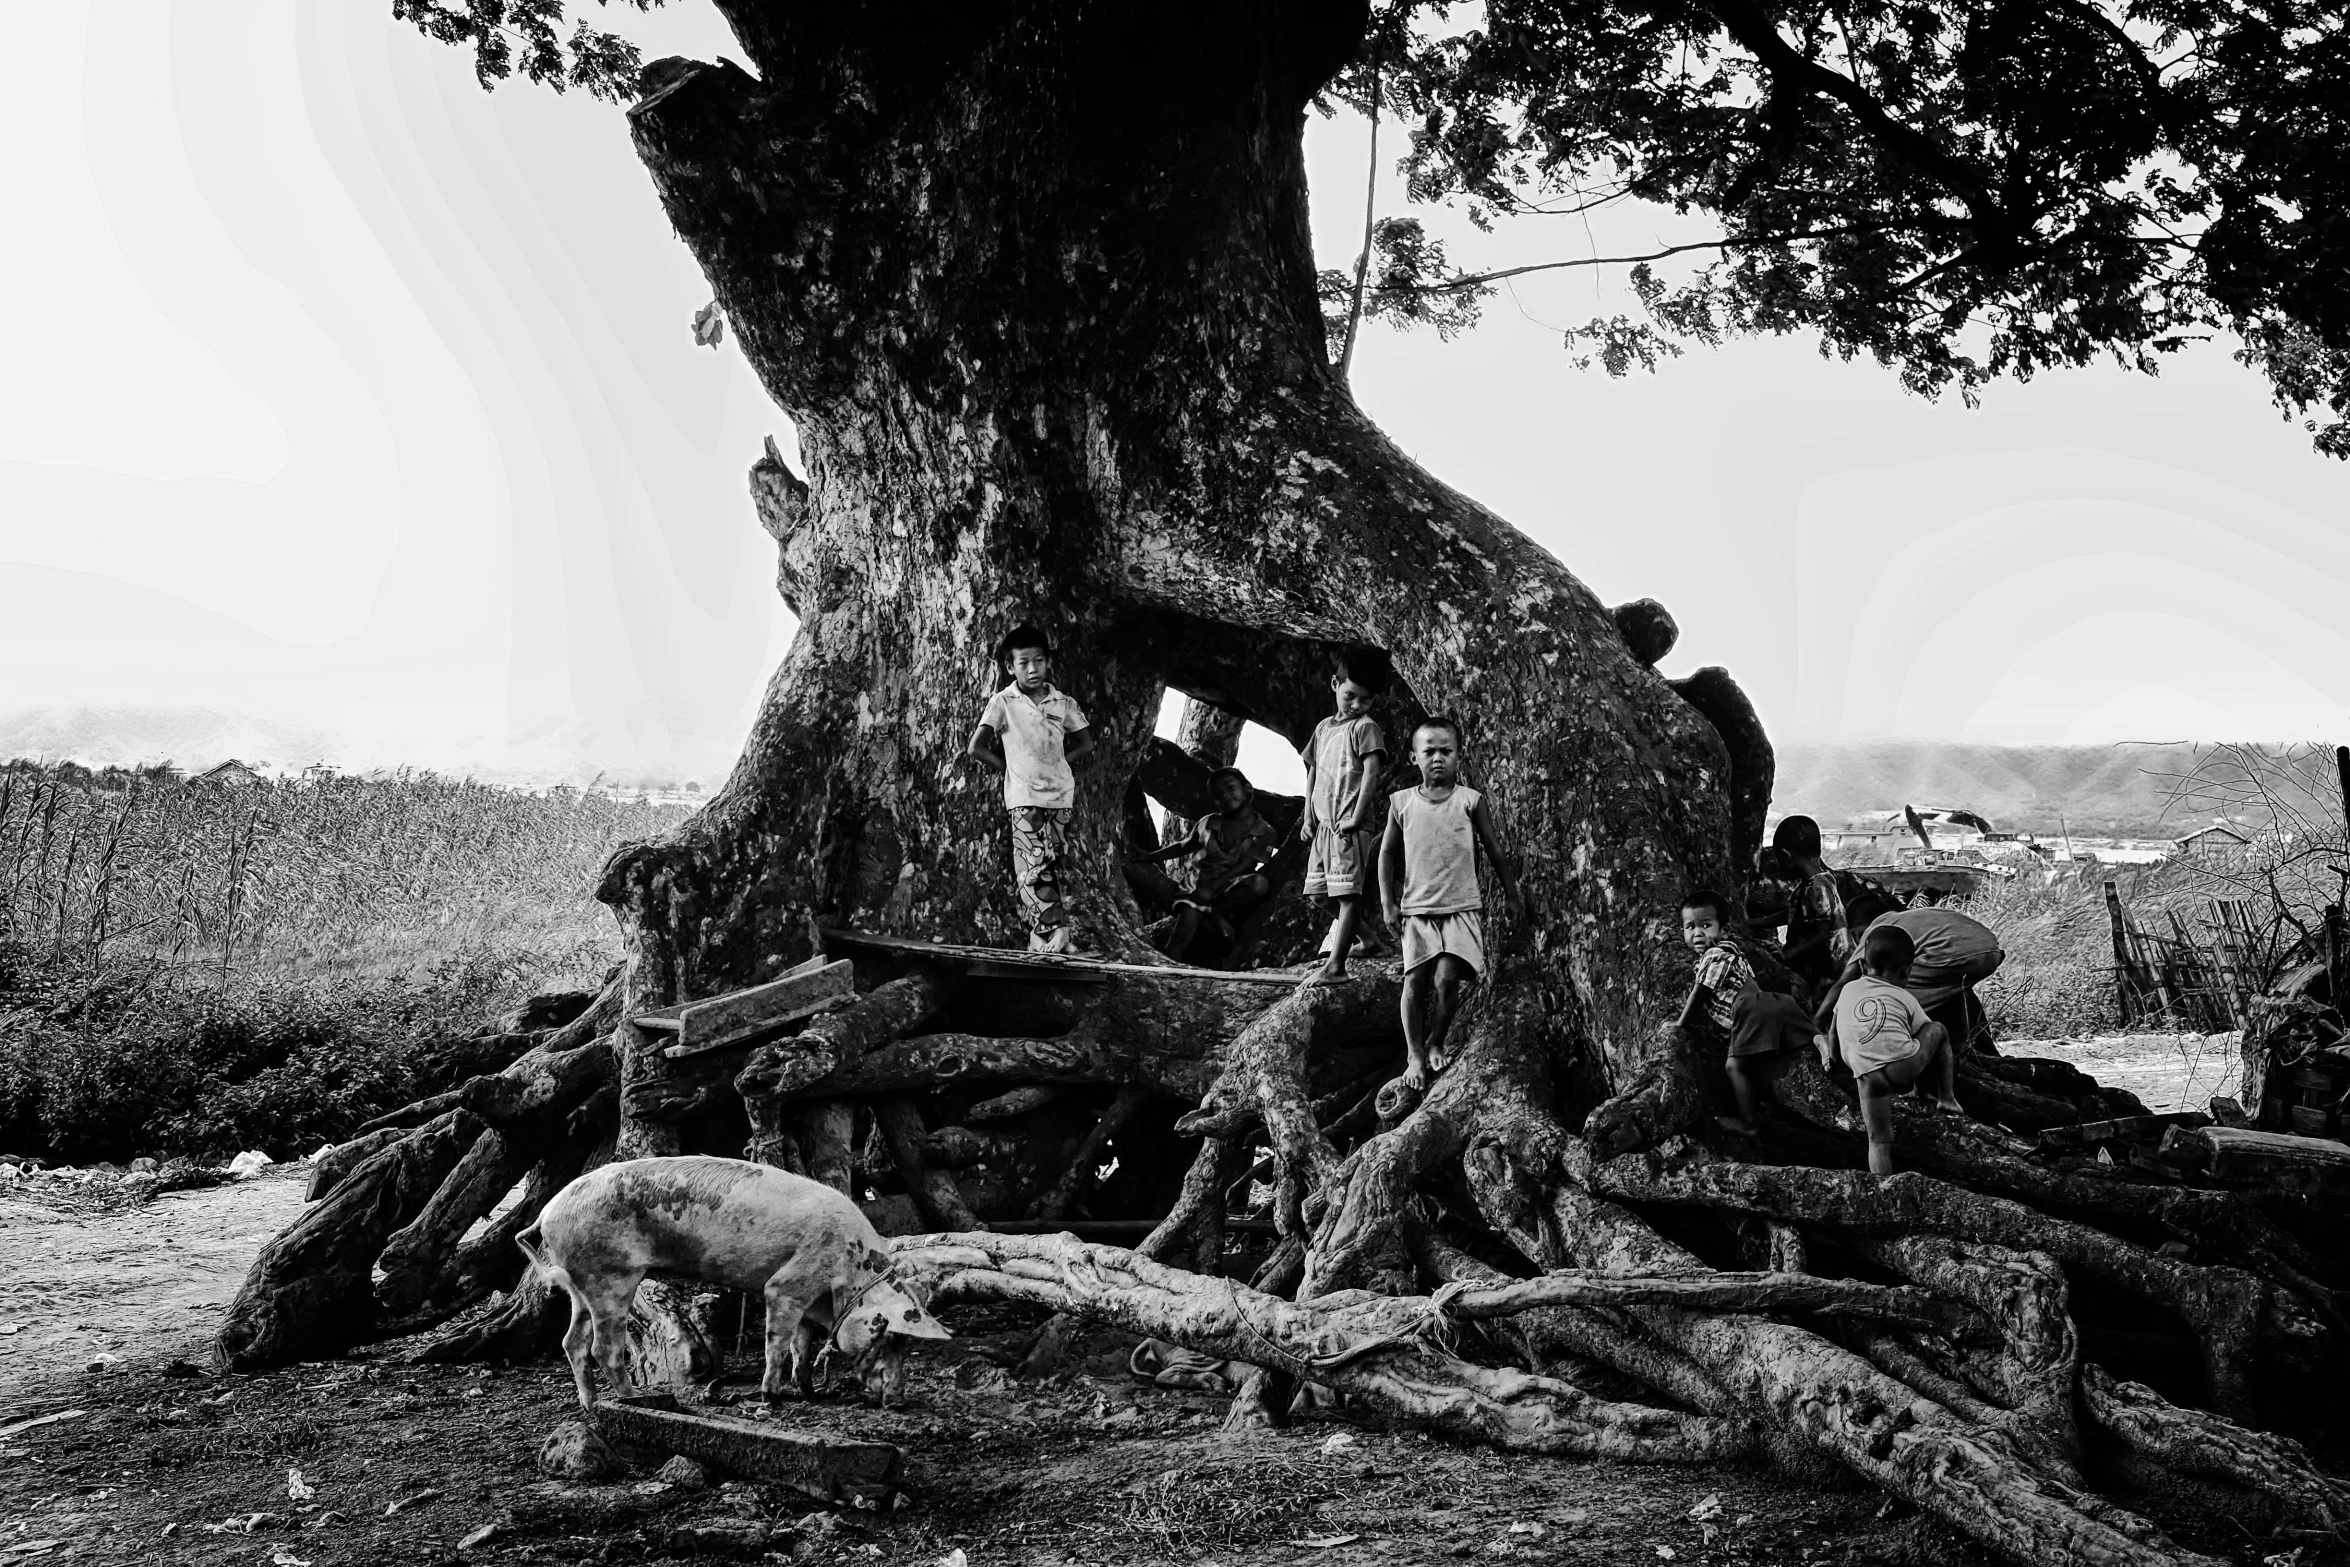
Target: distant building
pixel 1950 827
pixel 2219 841
pixel 230 773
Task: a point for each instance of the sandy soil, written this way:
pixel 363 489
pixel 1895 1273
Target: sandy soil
pixel 81 1277
pixel 2167 1071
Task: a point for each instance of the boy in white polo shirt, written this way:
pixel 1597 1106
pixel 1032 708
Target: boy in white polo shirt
pixel 1034 733
pixel 1428 884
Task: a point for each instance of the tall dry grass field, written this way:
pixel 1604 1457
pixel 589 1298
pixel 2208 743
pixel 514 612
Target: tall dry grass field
pixel 2057 981
pixel 323 877
pixel 201 967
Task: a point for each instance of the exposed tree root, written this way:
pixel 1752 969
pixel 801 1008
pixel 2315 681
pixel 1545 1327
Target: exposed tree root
pixel 1381 1350
pixel 1839 1402
pixel 1060 1200
pixel 309 1292
pixel 2231 1313
pixel 2024 1295
pixel 2191 1442
pixel 935 1194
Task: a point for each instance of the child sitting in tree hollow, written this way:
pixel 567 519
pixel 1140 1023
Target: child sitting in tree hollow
pixel 1428 885
pixel 1233 843
pixel 1344 762
pixel 1888 1041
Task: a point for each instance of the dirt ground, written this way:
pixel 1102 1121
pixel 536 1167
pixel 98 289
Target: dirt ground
pixel 2167 1071
pixel 82 1276
pixel 159 1461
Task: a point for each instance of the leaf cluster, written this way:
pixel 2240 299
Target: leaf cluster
pixel 1961 189
pixel 510 36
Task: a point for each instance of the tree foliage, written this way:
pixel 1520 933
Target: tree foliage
pixel 1962 189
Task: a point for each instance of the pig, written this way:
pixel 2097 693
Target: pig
pixel 798 1244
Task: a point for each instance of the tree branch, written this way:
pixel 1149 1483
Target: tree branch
pixel 1469 280
pixel 1753 28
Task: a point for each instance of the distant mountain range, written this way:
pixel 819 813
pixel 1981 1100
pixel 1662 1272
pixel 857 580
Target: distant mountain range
pixel 129 736
pixel 2105 790
pixel 197 738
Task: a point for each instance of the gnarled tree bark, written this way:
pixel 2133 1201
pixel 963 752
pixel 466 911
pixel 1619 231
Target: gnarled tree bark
pixel 1034 285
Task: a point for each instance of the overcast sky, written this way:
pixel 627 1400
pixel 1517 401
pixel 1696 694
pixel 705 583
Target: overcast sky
pixel 351 411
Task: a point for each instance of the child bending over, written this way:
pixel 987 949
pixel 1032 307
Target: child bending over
pixel 1428 884
pixel 1233 844
pixel 1887 1040
pixel 1818 941
pixel 1033 733
pixel 1344 761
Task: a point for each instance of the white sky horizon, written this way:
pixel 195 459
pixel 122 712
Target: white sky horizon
pixel 352 410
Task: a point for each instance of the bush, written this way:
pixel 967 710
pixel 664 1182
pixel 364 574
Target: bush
pixel 192 968
pixel 157 1061
pixel 2058 980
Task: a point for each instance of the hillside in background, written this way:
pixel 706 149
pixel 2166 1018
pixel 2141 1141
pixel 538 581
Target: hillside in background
pixel 2103 790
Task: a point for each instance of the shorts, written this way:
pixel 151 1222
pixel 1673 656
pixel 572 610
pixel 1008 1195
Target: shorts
pixel 1426 937
pixel 1339 865
pixel 1916 1049
pixel 1767 1023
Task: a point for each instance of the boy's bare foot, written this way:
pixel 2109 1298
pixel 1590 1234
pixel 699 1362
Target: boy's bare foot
pixel 1950 1104
pixel 1330 973
pixel 1415 1076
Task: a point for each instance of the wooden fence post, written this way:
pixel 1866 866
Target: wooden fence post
pixel 2124 988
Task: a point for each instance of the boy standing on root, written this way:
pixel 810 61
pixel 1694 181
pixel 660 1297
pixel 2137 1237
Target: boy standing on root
pixel 1428 885
pixel 1888 1041
pixel 1344 761
pixel 1034 734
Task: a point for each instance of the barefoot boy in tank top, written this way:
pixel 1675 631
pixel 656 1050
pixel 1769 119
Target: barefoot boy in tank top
pixel 1428 884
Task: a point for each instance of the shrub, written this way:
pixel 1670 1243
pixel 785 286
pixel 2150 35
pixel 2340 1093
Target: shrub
pixel 157 1061
pixel 191 968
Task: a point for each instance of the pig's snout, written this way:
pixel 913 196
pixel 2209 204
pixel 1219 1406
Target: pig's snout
pixel 885 1370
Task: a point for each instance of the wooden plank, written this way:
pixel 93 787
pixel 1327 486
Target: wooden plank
pixel 2120 1128
pixel 745 1041
pixel 1006 962
pixel 829 1470
pixel 988 969
pixel 742 1016
pixel 655 1022
pixel 2303 1164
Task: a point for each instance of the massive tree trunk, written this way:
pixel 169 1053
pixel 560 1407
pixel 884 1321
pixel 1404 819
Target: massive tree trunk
pixel 1037 294
pixel 1034 285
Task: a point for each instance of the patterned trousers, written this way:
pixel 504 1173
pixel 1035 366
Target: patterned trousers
pixel 1038 835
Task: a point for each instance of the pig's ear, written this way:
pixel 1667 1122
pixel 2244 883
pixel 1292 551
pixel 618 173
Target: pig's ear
pixel 910 1319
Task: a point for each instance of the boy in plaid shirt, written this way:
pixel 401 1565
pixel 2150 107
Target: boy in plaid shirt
pixel 1756 1024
